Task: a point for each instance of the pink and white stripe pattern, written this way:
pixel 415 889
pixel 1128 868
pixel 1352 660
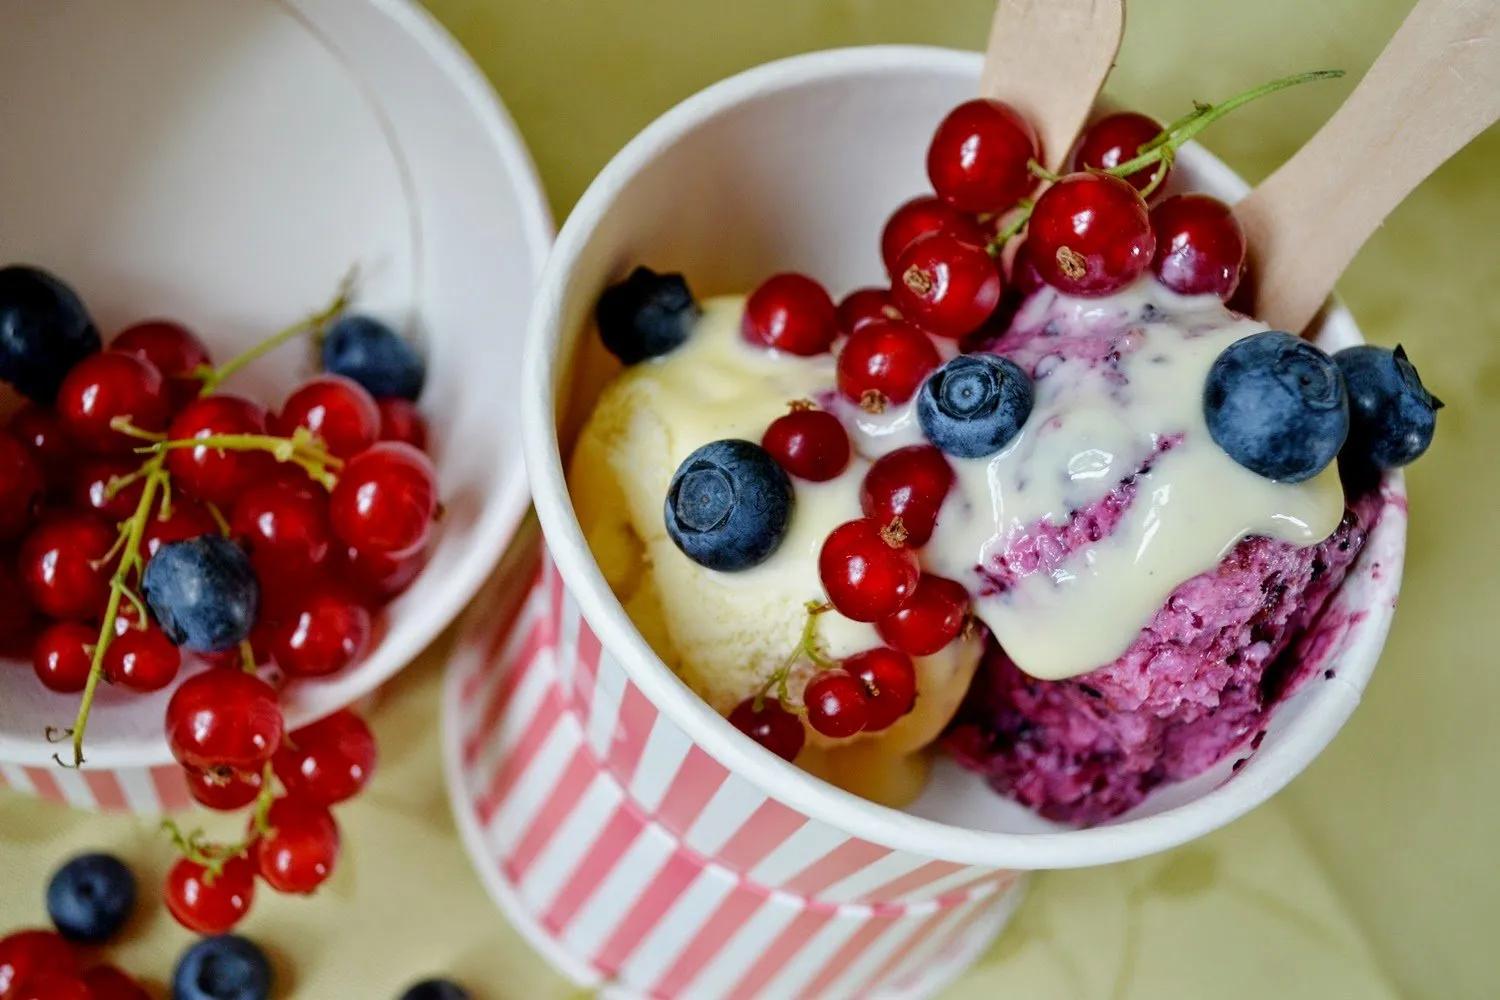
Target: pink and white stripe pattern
pixel 635 859
pixel 146 790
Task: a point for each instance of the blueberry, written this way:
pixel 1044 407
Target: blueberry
pixel 435 989
pixel 375 356
pixel 90 897
pixel 728 505
pixel 646 315
pixel 202 592
pixel 227 967
pixel 44 331
pixel 1277 405
pixel 1391 414
pixel 974 405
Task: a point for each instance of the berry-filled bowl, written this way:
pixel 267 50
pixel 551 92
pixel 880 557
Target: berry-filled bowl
pixel 310 234
pixel 699 765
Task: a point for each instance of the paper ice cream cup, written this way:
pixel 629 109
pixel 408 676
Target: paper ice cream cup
pixel 635 836
pixel 231 184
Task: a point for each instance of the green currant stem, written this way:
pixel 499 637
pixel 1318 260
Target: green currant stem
pixel 314 325
pixel 219 519
pixel 1041 173
pixel 1159 175
pixel 1020 215
pixel 302 450
pixel 247 656
pixel 1184 129
pixel 155 474
pixel 807 648
pixel 213 857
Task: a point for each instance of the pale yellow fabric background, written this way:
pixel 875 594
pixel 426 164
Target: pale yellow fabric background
pixel 1373 876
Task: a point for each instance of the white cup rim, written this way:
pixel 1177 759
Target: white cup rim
pixel 815 798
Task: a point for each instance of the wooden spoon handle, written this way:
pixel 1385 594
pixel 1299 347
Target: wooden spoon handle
pixel 1048 59
pixel 1435 87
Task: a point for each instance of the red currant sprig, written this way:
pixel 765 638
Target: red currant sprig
pixel 1070 266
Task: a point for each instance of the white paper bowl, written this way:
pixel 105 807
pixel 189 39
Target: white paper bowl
pixel 224 162
pixel 795 166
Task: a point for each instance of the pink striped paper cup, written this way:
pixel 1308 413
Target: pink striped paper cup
pixel 638 839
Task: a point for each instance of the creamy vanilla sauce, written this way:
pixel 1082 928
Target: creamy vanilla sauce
pixel 1094 423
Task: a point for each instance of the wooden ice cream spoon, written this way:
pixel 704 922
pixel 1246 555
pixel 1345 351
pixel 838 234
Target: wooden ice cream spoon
pixel 1049 59
pixel 1433 89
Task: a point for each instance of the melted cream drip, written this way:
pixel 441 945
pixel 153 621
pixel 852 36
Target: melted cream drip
pixel 1092 425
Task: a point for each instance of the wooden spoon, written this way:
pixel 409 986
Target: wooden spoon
pixel 1435 87
pixel 1048 59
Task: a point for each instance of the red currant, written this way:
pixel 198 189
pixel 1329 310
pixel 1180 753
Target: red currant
pixel 792 313
pixel 865 305
pixel 978 158
pixel 1116 139
pixel 885 363
pixel 25 954
pixel 187 519
pixel 106 386
pixel 1200 247
pixel 51 986
pixel 773 727
pixel 223 789
pixel 233 658
pixel 329 761
pixel 105 982
pixel 214 474
pixel 175 351
pixel 142 659
pixel 21 487
pixel 284 528
pixel 385 500
pixel 890 683
pixel 209 904
pixel 320 633
pixel 867 569
pixel 91 487
pixel 62 564
pixel 1024 277
pixel 1090 234
pixel 910 483
pixel 946 286
pixel 810 444
pixel 42 432
pixel 16 612
pixel 335 408
pixel 223 718
pixel 63 656
pixel 924 216
pixel 299 853
pixel 836 703
pixel 376 576
pixel 400 420
pixel 931 619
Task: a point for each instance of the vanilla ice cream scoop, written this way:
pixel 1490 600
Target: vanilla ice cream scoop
pixel 726 633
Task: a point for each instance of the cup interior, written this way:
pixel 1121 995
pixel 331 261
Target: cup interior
pixel 795 166
pixel 224 163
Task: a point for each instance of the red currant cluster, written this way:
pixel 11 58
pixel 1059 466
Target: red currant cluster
pixel 153 514
pixel 229 738
pixel 870 572
pixel 1089 233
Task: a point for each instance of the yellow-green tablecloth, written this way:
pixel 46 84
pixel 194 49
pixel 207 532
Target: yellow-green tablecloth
pixel 1374 875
